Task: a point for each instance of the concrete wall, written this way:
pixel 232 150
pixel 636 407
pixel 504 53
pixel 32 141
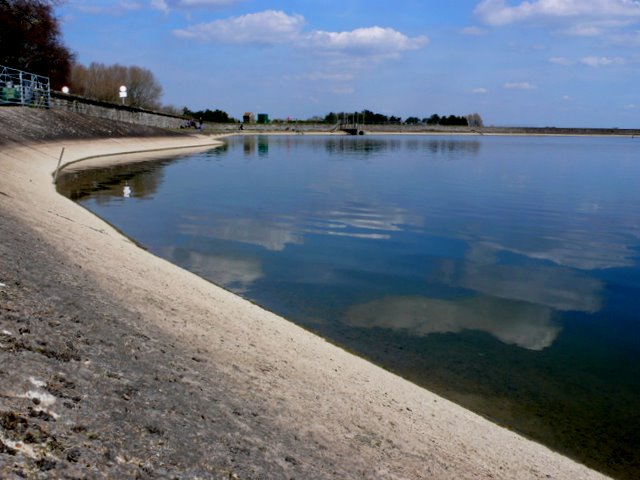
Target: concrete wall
pixel 111 111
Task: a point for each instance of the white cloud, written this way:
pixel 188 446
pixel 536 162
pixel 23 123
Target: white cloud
pixel 334 77
pixel 269 27
pixel 584 30
pixel 480 91
pixel 630 39
pixel 130 5
pixel 160 5
pixel 165 5
pixel 119 8
pixel 473 31
pixel 519 86
pixel 561 61
pixel 376 40
pixel 203 3
pixel 597 62
pixel 277 27
pixel 591 61
pixel 498 12
pixel 631 106
pixel 342 90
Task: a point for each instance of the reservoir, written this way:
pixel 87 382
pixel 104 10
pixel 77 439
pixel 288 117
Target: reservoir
pixel 501 272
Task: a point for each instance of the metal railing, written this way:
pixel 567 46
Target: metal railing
pixel 23 88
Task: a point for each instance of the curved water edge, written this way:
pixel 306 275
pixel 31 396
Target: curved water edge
pixel 485 279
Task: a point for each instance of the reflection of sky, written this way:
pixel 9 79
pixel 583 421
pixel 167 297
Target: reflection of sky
pixel 517 223
pixel 578 250
pixel 234 272
pixel 573 202
pixel 515 323
pixel 275 233
pixel 555 210
pixel 378 218
pixel 272 235
pixel 560 288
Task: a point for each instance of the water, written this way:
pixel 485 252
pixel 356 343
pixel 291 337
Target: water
pixel 500 272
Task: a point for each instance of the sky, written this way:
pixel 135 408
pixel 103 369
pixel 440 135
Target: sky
pixel 562 63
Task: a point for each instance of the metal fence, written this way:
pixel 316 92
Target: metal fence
pixel 23 88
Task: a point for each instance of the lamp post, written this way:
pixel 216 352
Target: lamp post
pixel 123 93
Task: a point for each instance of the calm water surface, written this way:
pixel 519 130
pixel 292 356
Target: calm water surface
pixel 501 272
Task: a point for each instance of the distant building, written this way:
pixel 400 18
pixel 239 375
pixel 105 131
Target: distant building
pixel 248 117
pixel 263 118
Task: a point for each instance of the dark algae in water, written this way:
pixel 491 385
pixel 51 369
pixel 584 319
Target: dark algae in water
pixel 500 272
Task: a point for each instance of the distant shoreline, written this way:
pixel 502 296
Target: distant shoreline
pixel 22 124
pixel 318 128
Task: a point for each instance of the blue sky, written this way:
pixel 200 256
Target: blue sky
pixel 565 63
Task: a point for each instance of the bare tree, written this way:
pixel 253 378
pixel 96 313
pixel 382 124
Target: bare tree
pixel 102 82
pixel 172 110
pixel 144 91
pixel 475 120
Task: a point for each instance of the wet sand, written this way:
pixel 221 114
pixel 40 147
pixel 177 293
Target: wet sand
pixel 116 363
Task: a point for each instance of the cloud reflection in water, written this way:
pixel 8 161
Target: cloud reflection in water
pixel 266 233
pixel 516 323
pixel 234 272
pixel 275 233
pixel 561 288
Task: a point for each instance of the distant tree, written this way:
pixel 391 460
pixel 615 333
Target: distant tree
pixel 143 89
pixel 331 118
pixel 102 82
pixel 30 40
pixel 433 119
pixel 212 116
pixel 370 117
pixel 453 120
pixel 475 120
pixel 172 110
pixel 461 121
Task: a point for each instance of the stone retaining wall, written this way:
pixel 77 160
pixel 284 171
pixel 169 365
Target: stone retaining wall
pixel 111 111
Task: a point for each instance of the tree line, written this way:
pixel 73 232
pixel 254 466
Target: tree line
pixel 371 118
pixel 212 116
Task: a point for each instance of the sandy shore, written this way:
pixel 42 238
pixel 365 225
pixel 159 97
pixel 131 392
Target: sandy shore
pixel 148 370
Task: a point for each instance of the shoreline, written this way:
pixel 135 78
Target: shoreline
pixel 285 402
pixel 322 129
